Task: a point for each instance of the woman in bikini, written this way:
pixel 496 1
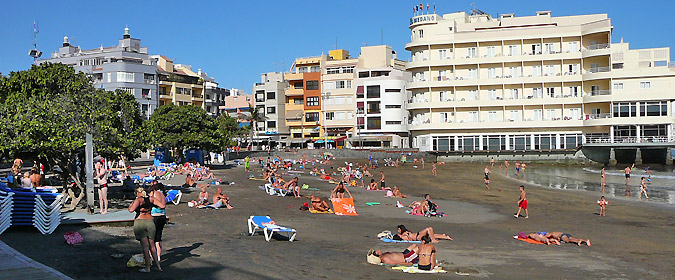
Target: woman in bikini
pixel 318 204
pixel 158 215
pixel 144 227
pixel 339 191
pixel 405 234
pixel 427 254
pixel 203 197
pixel 372 186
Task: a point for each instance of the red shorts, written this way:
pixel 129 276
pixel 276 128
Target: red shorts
pixel 523 204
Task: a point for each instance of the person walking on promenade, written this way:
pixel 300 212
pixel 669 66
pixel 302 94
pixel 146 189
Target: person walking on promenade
pixel 522 203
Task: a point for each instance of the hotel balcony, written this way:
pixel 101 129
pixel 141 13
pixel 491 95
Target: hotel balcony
pixel 294 92
pixel 466 102
pixel 596 50
pixel 498 58
pixel 293 76
pixel 498 124
pixel 609 119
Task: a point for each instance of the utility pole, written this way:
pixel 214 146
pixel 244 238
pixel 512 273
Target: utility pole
pixel 89 166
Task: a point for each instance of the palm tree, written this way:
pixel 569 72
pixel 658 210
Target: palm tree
pixel 254 116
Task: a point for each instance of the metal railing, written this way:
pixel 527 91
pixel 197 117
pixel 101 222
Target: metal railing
pixel 599 69
pixel 598 116
pixel 600 92
pixel 597 47
pixel 627 140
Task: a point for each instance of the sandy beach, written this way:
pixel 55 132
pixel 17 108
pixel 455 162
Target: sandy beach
pixel 634 241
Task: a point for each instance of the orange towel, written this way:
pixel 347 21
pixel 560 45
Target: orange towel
pixel 529 240
pixel 344 206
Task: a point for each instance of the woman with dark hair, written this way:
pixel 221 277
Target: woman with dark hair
pixel 158 215
pixel 426 254
pixel 405 234
pixel 144 227
pixel 339 191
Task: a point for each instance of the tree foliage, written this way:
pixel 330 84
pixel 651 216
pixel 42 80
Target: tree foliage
pixel 46 111
pixel 182 127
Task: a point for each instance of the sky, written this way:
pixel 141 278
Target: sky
pixel 236 41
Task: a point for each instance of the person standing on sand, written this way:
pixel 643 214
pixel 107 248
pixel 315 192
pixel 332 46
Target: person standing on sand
pixel 247 163
pixel 433 169
pixel 487 177
pixel 382 183
pixel 603 176
pixel 422 162
pixel 603 205
pixel 506 165
pixel 492 162
pixel 522 203
pixel 643 188
pixel 626 171
pixel 102 176
pixel 517 169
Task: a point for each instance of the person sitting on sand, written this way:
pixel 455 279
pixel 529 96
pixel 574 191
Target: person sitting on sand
pixel 397 193
pixel 427 254
pixel 367 173
pixel 407 257
pixel 405 234
pixel 372 186
pixel 541 237
pixel 318 204
pixel 567 238
pixel 293 187
pixel 339 191
pixel 220 199
pixel 203 197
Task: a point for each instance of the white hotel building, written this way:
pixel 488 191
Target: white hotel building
pixel 533 83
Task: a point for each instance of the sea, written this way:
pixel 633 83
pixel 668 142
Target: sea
pixel 660 180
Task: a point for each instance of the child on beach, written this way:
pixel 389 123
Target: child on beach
pixel 433 169
pixel 487 177
pixel 603 205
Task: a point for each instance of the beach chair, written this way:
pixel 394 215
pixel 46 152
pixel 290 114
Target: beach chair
pixel 275 191
pixel 174 196
pixel 262 222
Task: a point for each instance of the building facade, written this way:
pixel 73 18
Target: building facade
pixel 337 98
pixel 270 100
pixel 214 96
pixel 127 67
pixel 532 83
pixel 178 84
pixel 303 99
pixel 381 99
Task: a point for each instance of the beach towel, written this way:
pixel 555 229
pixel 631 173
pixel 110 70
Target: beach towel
pixel 344 206
pixel 257 179
pixel 414 269
pixel 314 211
pixel 389 240
pixel 532 241
pixel 372 203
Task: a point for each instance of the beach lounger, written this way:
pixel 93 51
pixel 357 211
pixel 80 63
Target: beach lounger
pixel 262 222
pixel 275 191
pixel 174 196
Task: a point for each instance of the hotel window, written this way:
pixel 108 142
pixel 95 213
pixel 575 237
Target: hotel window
pixel 330 116
pixel 471 52
pixel 573 46
pixel 575 113
pixel 344 84
pixel 125 77
pixel 271 124
pixel 618 85
pixel 492 73
pixel 513 93
pixel 492 116
pixel 625 110
pixel 442 54
pixel 445 118
pixel 473 94
pixel 573 68
pixel 514 71
pixel 645 84
pixel 339 100
pixel 491 51
pixel 550 92
pixel 537 114
pixel 513 50
pixel 573 91
pixel 392 106
pixel 473 74
pixel 514 115
pixel 392 90
pixel 347 69
pixel 373 91
pixel 442 96
pixel 654 109
pixel 271 95
pixel 312 101
pixel 312 85
pixel 550 114
pixel 492 94
pixel 548 47
pixel 328 85
pixel 374 123
pixel 127 90
pixel 536 70
pixel 365 74
pixel 392 122
pixel 271 110
pixel 421 33
pixel 333 70
pixel 473 116
pixel 298 85
pixel 537 93
pixel 315 68
pixel 297 101
pixel 550 70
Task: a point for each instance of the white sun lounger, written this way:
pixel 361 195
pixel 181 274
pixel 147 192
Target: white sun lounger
pixel 262 222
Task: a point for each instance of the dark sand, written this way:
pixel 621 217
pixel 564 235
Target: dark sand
pixel 635 240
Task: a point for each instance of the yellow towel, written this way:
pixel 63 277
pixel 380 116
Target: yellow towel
pixel 313 211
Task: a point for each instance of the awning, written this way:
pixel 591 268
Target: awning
pixel 321 141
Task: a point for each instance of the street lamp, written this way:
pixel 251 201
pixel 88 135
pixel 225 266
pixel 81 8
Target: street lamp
pixel 325 132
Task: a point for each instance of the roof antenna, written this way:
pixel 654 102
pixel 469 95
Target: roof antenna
pixel 476 11
pixel 34 53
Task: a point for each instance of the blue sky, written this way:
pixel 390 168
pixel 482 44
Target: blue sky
pixel 235 41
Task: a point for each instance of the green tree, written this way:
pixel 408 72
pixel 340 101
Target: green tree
pixel 182 127
pixel 46 111
pixel 227 129
pixel 254 116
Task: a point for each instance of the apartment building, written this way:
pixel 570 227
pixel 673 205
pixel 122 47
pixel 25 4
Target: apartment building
pixel 303 99
pixel 270 100
pixel 381 98
pixel 238 106
pixel 126 67
pixel 214 96
pixel 337 97
pixel 532 83
pixel 178 84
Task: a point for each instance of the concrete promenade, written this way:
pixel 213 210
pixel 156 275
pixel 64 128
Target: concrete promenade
pixel 15 265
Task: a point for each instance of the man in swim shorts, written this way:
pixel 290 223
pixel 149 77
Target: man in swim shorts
pixel 407 257
pixel 522 203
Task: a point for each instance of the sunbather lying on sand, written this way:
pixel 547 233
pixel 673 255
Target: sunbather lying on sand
pixel 541 237
pixel 395 192
pixel 407 257
pixel 405 234
pixel 567 238
pixel 318 204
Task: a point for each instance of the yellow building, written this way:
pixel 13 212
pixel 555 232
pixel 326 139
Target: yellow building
pixel 303 99
pixel 178 84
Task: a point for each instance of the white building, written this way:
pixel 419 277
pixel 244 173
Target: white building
pixel 269 100
pixel 533 83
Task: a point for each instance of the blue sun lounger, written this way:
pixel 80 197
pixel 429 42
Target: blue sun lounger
pixel 262 222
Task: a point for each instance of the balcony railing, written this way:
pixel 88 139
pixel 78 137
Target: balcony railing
pixel 600 92
pixel 623 139
pixel 597 47
pixel 599 69
pixel 598 116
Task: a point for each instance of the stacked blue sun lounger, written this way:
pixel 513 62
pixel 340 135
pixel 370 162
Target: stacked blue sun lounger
pixel 41 209
pixel 6 203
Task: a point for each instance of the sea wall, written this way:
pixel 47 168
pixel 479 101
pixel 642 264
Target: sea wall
pixel 557 157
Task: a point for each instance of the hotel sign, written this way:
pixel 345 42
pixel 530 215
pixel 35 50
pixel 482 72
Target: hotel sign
pixel 422 19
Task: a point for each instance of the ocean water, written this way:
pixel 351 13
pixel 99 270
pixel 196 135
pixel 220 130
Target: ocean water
pixel 660 184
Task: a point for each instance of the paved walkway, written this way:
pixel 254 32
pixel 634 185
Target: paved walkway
pixel 15 265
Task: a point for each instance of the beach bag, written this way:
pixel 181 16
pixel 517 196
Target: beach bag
pixel 192 203
pixel 385 234
pixel 304 207
pixel 371 258
pixel 136 260
pixel 73 238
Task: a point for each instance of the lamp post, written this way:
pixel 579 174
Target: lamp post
pixel 325 132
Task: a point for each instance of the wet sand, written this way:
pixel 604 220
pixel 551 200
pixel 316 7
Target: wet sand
pixel 634 241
